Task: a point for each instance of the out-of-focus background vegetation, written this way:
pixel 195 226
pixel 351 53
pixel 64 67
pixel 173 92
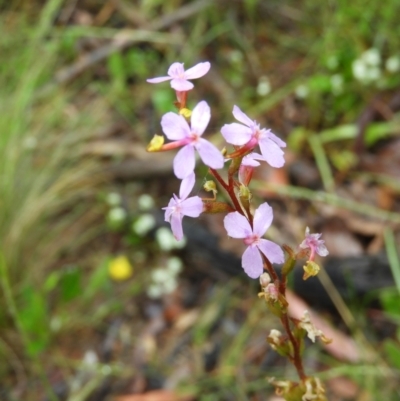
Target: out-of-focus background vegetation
pixel 97 301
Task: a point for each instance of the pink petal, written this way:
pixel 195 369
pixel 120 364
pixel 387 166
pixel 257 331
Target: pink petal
pixel 174 126
pixel 322 250
pixel 198 70
pixel 243 118
pixel 176 225
pixel 236 134
pixel 169 209
pixel 176 70
pixel 250 161
pixel 262 219
pixel 252 262
pixel 181 85
pixel 184 162
pixel 237 226
pixel 276 139
pixel 157 80
pixel 257 156
pixel 271 152
pixel 209 154
pixel 192 207
pixel 200 118
pixel 271 250
pixel 187 185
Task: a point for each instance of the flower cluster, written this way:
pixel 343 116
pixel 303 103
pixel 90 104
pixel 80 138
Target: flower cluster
pixel 185 130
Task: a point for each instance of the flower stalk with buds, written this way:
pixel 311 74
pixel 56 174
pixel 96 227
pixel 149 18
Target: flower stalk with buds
pixel 243 220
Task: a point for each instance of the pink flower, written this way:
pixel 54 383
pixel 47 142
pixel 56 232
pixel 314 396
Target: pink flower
pixel 183 206
pixel 250 135
pixel 246 169
pixel 179 77
pixel 315 244
pixel 238 226
pixel 176 128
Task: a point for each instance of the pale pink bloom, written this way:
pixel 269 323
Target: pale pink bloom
pixel 315 244
pixel 247 166
pixel 181 206
pixel 176 128
pixel 179 77
pixel 238 226
pixel 250 135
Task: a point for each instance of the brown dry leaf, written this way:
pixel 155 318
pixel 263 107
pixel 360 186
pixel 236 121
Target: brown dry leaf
pixel 155 395
pixel 342 346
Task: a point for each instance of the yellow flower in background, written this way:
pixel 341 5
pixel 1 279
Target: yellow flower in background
pixel 120 268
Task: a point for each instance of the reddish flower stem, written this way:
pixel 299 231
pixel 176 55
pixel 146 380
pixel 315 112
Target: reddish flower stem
pixel 229 189
pixel 281 284
pixel 296 357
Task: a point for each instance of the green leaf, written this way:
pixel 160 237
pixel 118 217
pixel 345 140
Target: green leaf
pixel 34 319
pixel 70 283
pixel 392 351
pixel 163 100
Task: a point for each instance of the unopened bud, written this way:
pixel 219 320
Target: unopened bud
pixel 155 144
pixel 272 292
pixel 244 193
pixel 265 279
pixel 310 269
pixel 274 339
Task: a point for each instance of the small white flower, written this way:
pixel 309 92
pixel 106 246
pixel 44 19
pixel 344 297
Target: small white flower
pixel 90 358
pixel 302 91
pixel 154 291
pixel 117 215
pixel 174 265
pixel 170 285
pixel 373 73
pixel 372 57
pixel 144 224
pixel 166 240
pixel 145 202
pixel 359 69
pixel 114 199
pixel 160 275
pixel 365 73
pixel 393 64
pixel 264 86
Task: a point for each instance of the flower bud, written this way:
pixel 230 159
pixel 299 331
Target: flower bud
pixel 265 279
pixel 272 292
pixel 244 193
